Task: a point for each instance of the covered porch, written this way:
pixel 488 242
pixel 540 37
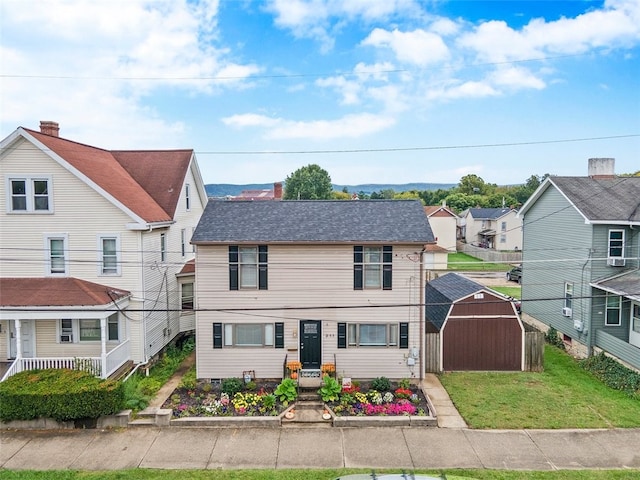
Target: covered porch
pixel 62 323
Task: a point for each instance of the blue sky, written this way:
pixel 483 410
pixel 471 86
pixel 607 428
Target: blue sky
pixel 374 91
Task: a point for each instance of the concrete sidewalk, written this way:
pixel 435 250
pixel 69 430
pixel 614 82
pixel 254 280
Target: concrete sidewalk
pixel 280 448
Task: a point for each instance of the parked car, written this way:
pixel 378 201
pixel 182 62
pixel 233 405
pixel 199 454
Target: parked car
pixel 515 274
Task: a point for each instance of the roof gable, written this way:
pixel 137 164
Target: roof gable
pixel 442 292
pixel 314 221
pixel 146 183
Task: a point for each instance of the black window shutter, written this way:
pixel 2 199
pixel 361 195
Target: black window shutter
pixel 404 335
pixel 233 267
pixel 357 267
pixel 217 335
pixel 342 335
pixel 387 255
pixel 279 343
pixel 262 267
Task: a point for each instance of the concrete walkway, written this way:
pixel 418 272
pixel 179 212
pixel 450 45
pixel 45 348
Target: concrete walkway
pixel 446 412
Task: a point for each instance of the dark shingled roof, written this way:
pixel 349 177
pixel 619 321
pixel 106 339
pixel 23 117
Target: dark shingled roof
pixel 488 213
pixel 314 221
pixel 603 199
pixel 627 285
pixel 442 292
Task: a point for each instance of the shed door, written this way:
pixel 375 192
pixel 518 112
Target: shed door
pixel 482 344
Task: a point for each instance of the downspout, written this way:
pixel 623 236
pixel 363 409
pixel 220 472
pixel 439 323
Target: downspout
pixel 421 284
pixel 586 324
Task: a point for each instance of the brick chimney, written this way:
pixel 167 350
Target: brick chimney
pixel 277 191
pixel 49 128
pixel 602 167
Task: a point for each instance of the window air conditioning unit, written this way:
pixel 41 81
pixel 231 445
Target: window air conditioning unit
pixel 66 339
pixel 615 261
pixel 566 311
pixel 577 324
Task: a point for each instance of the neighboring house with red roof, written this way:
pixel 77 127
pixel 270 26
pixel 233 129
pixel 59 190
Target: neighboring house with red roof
pixel 93 243
pixel 274 193
pixel 444 223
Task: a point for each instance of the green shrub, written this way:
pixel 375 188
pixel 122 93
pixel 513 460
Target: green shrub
pixel 286 391
pixel 613 374
pixel 251 386
pixel 330 390
pixel 404 383
pixel 189 380
pixel 381 384
pixel 553 338
pixel 60 394
pixel 231 386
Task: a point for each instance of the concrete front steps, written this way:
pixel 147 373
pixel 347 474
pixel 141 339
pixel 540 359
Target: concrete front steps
pixel 308 409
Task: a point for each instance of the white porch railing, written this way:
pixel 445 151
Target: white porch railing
pixel 114 360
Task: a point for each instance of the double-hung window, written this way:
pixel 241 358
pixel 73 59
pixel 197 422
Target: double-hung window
pixel 612 317
pixel 113 328
pixel 187 296
pixel 109 252
pixel 248 267
pixel 187 196
pixel 88 329
pixel 56 250
pixel 163 247
pixel 373 335
pixel 568 295
pixel 29 195
pixel 616 244
pixel 372 267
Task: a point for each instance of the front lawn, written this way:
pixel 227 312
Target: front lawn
pixel 467 263
pixel 515 292
pixel 563 396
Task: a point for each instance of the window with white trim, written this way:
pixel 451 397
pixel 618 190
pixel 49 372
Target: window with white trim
pixel 109 246
pixel 186 294
pixel 89 329
pixel 187 196
pixel 612 316
pixel 29 195
pixel 248 335
pixel 163 247
pixel 56 251
pixel 372 334
pixel 248 267
pixel 372 267
pixel 113 328
pixel 616 243
pixel 635 317
pixel 568 294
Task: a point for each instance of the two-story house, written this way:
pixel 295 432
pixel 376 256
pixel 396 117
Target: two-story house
pixel 444 223
pixel 493 228
pixel 319 282
pixel 92 241
pixel 580 260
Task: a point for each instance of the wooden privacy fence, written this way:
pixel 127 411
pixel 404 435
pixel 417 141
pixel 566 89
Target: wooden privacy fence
pixel 533 351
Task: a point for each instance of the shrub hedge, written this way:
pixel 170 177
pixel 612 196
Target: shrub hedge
pixel 613 374
pixel 60 394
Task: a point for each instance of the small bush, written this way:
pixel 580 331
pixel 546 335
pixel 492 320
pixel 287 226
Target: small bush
pixel 251 386
pixel 60 394
pixel 553 338
pixel 381 384
pixel 613 374
pixel 286 391
pixel 189 380
pixel 231 386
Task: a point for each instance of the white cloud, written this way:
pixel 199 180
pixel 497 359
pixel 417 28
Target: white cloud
pixel 418 47
pixel 468 89
pixel 516 78
pixel 251 120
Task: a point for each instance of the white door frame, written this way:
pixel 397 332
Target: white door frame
pixel 634 335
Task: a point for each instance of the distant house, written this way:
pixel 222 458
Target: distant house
pixel 443 222
pixel 478 328
pixel 311 281
pixel 265 194
pixel 493 228
pixel 580 260
pixel 93 240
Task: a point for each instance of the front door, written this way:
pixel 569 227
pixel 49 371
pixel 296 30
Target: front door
pixel 634 330
pixel 26 333
pixel 311 344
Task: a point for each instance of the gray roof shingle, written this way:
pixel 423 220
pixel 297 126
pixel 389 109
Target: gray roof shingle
pixel 488 213
pixel 442 292
pixel 603 199
pixel 311 221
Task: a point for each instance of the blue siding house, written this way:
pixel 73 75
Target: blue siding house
pixel 580 261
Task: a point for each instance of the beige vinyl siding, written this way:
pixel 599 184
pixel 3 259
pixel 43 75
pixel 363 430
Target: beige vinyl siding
pixel 513 234
pixel 4 340
pixel 304 276
pixel 444 229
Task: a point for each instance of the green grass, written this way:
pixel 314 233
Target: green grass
pixel 472 474
pixel 464 262
pixel 515 292
pixel 563 396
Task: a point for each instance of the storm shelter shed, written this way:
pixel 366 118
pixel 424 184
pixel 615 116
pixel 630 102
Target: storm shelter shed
pixel 472 326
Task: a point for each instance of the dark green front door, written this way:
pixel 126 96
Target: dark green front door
pixel 310 343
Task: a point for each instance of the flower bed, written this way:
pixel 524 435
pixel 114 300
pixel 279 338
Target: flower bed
pixel 380 398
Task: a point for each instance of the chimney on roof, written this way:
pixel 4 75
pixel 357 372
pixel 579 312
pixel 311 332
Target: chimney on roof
pixel 602 167
pixel 49 128
pixel 277 191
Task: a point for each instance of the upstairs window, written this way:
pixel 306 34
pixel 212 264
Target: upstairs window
pixel 187 196
pixel 183 241
pixel 187 296
pixel 56 248
pixel 616 243
pixel 248 267
pixel 163 247
pixel 29 195
pixel 372 267
pixel 109 261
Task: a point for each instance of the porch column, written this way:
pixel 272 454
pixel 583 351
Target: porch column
pixel 103 342
pixel 18 325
